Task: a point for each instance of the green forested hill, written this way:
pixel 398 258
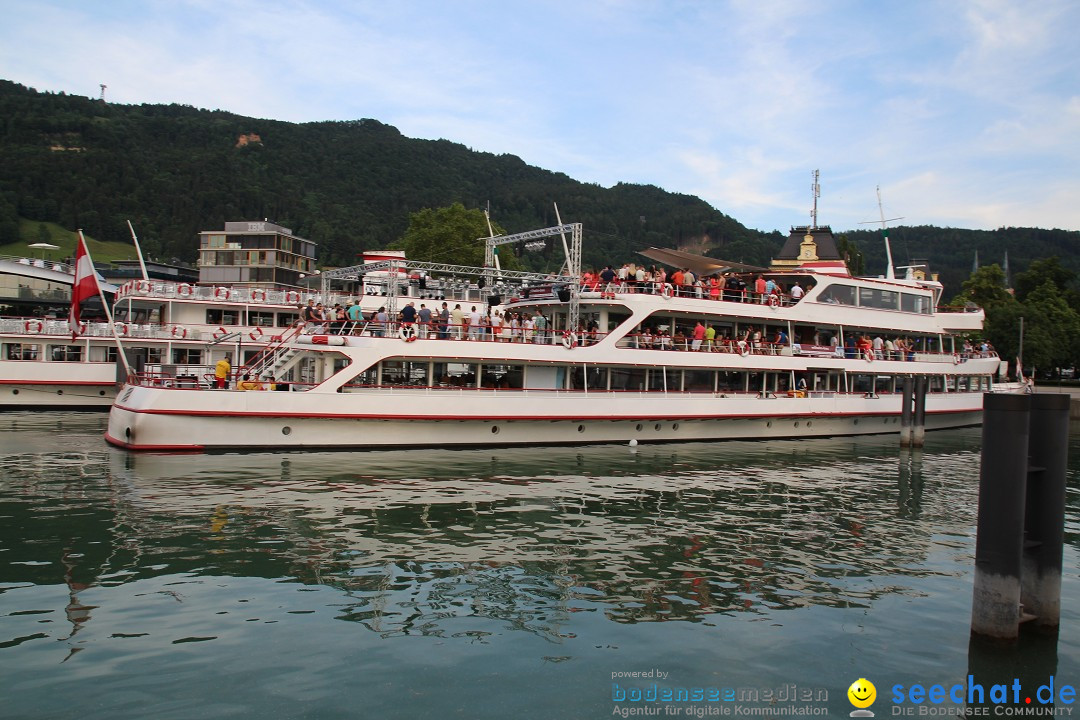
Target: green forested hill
pixel 174 170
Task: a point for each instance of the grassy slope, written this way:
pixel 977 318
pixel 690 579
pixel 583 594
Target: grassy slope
pixel 29 232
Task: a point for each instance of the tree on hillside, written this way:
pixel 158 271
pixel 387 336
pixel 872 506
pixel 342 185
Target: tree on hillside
pixel 1051 329
pixel 851 255
pixel 985 288
pixel 1041 271
pixel 451 235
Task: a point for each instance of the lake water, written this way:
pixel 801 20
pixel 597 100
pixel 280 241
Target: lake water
pixel 493 583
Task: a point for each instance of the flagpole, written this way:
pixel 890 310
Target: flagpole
pixel 138 250
pixel 108 312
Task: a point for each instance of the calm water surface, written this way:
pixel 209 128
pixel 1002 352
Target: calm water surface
pixel 486 583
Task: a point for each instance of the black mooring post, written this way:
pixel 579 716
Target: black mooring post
pixel 995 610
pixel 918 429
pixel 1044 516
pixel 906 398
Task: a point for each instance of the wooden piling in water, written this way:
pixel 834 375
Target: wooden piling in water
pixel 918 425
pixel 1044 516
pixel 999 541
pixel 907 398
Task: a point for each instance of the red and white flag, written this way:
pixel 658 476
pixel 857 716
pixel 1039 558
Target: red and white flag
pixel 85 285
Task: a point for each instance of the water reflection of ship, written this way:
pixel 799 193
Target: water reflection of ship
pixel 667 533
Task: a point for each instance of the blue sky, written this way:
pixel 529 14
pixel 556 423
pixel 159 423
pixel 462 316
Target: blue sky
pixel 966 113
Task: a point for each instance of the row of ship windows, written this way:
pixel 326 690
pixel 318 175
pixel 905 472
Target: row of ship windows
pixel 407 373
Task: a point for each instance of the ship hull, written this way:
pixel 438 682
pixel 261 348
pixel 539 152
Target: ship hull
pixel 178 420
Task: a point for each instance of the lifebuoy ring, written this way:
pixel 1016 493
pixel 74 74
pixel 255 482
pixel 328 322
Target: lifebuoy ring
pixel 221 293
pixel 744 348
pixel 665 290
pixel 83 328
pixel 956 359
pixel 569 340
pixel 178 332
pixel 773 300
pixel 34 326
pixel 258 295
pixel 407 332
pixel 123 329
pixel 184 290
pixel 292 297
pixel 255 334
pixel 220 333
pixel 868 355
pixel 143 286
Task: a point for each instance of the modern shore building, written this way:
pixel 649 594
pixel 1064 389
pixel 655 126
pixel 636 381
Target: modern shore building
pixel 256 255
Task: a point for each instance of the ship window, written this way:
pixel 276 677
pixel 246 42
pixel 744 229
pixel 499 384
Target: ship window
pixel 884 384
pixel 596 377
pixel 915 303
pixel 882 299
pixel 632 379
pixel 405 373
pixel 187 356
pixel 287 319
pixel 698 380
pixel 260 319
pixel 455 374
pixel 731 381
pixel 501 376
pixel 222 316
pixel 862 383
pixel 107 354
pixel 663 378
pixel 22 351
pixel 838 295
pixel 65 353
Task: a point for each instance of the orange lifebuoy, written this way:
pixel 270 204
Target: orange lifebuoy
pixel 184 290
pixel 258 295
pixel 220 333
pixel 666 290
pixel 34 326
pixel 292 297
pixel 773 300
pixel 179 332
pixel 143 286
pixel 255 334
pixel 222 293
pixel 122 329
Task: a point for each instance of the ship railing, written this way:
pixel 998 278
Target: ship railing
pixel 612 290
pixel 168 375
pixel 223 294
pixel 264 360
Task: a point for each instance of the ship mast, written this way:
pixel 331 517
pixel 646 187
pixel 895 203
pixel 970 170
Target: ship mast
pixel 815 190
pixel 890 272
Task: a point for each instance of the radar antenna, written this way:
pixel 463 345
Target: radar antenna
pixel 890 273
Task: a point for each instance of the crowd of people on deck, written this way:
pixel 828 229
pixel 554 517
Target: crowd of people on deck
pixel 682 282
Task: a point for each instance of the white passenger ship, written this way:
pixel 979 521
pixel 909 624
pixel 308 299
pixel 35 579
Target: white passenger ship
pixel 179 330
pixel 614 364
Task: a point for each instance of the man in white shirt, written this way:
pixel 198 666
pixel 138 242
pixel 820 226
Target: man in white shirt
pixel 474 324
pixel 796 292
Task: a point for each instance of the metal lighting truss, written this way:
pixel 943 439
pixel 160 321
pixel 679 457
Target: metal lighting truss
pixel 570 274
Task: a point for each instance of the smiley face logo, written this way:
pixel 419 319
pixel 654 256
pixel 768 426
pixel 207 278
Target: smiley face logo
pixel 862 694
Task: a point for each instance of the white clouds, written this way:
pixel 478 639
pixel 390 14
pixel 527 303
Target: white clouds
pixel 965 114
